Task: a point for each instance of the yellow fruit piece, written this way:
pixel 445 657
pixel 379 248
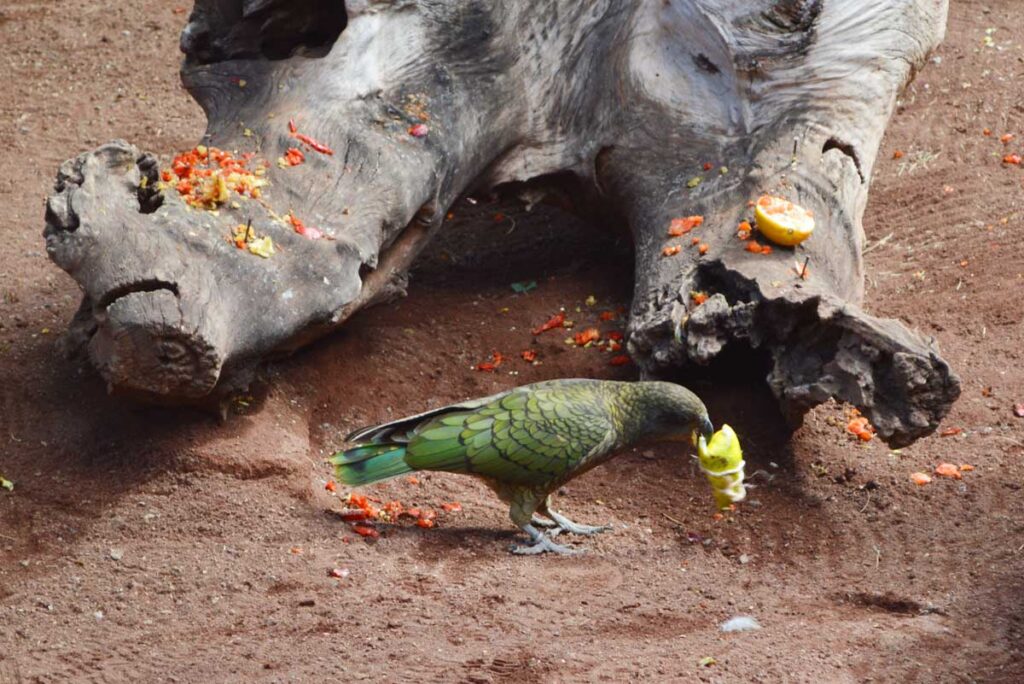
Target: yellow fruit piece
pixel 721 459
pixel 783 222
pixel 262 247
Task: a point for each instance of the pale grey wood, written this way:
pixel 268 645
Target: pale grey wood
pixel 633 97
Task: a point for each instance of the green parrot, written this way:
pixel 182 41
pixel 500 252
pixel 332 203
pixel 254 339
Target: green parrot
pixel 527 442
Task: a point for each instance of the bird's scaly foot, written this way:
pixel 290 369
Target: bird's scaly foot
pixel 575 528
pixel 541 543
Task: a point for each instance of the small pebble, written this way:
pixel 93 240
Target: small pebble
pixel 116 554
pixel 740 623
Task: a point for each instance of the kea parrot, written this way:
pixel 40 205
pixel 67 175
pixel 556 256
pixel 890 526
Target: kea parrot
pixel 527 442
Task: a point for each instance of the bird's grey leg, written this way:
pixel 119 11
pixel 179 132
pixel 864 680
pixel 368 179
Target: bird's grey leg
pixel 538 521
pixel 568 525
pixel 522 510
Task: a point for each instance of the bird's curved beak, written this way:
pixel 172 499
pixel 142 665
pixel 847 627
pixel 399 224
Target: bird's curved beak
pixel 706 428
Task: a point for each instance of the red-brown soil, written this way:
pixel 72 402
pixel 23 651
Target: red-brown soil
pixel 224 534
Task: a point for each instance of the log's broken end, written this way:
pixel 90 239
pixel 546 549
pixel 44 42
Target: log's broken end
pixel 819 348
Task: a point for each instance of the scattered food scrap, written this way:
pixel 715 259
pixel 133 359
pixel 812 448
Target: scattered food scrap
pixel 314 145
pixel 671 250
pixel 682 226
pixel 1018 410
pixel 702 248
pixel 205 177
pixel 331 486
pixel 244 237
pixel 948 470
pixel 699 298
pixel 860 426
pixel 492 365
pixel 620 360
pixel 758 248
pixel 6 484
pixel 1006 139
pixel 1012 159
pixel 782 221
pixel 608 316
pixel 292 157
pixel 898 154
pixel 743 231
pixel 586 337
pixel 556 321
pixel 920 479
pixel 302 229
pixel 418 130
pixel 529 355
pixel 966 467
pixel 951 432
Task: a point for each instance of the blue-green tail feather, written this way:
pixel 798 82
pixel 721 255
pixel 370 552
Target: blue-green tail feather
pixel 368 463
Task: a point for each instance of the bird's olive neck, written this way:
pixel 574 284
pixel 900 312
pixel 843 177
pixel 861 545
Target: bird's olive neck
pixel 657 410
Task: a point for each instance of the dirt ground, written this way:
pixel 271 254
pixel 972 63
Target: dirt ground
pixel 143 544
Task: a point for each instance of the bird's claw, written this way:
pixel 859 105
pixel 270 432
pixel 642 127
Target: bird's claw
pixel 543 545
pixel 576 528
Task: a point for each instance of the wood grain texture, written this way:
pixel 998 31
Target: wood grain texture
pixel 792 96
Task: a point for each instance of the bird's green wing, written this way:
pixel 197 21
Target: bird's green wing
pixel 528 436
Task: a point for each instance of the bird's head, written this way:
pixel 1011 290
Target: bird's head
pixel 674 413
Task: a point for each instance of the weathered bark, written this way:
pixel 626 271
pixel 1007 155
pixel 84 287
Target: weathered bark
pixel 633 97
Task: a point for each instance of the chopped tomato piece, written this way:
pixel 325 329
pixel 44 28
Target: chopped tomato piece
pixel 366 531
pixel 529 355
pixel 587 336
pixel 620 360
pixel 556 321
pixel 948 470
pixel 699 297
pixel 453 507
pixel 492 365
pixel 294 156
pixel 671 250
pixel 682 226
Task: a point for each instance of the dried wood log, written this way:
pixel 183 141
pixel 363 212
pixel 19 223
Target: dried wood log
pixel 421 101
